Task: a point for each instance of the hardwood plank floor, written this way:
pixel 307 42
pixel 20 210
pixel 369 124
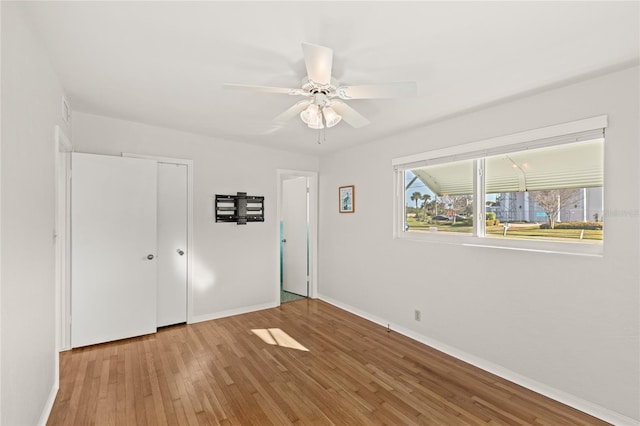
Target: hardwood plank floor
pixel 353 373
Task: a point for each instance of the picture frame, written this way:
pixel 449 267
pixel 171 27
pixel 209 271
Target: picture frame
pixel 346 199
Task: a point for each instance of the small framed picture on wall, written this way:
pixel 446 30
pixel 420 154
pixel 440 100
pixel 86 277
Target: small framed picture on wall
pixel 346 199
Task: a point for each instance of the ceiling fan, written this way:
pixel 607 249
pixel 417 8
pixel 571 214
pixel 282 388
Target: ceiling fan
pixel 324 106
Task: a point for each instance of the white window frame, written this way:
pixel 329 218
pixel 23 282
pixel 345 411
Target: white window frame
pixel 546 136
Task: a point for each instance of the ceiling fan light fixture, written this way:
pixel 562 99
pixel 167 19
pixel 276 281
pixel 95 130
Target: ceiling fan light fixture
pixel 316 126
pixel 331 117
pixel 308 114
pixel 312 117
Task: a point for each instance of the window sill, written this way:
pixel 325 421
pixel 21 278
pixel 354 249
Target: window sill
pixel 584 248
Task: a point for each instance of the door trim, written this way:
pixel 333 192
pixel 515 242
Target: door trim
pixel 62 226
pixel 190 252
pixel 283 174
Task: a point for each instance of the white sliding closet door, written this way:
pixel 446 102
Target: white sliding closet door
pixel 113 248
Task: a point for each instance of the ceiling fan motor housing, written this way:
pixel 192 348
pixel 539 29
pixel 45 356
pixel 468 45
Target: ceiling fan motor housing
pixel 328 90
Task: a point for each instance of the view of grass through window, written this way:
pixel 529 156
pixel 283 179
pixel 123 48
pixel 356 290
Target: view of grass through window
pixel 551 193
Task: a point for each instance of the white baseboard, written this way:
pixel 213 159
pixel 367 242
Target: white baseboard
pixel 548 391
pixel 231 312
pixel 49 404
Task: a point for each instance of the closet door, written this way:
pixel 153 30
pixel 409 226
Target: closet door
pixel 113 248
pixel 172 244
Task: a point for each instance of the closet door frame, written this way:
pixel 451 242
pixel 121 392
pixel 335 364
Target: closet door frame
pixel 190 252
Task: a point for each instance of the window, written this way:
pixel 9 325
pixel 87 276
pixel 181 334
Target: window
pixel 439 198
pixel 546 193
pixel 508 190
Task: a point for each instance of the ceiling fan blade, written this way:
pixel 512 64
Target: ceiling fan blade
pixel 319 60
pixel 292 112
pixel 379 91
pixel 264 89
pixel 350 115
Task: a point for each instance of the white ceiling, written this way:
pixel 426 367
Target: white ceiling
pixel 164 63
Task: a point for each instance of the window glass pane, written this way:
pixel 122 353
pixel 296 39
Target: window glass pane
pixel 439 198
pixel 553 193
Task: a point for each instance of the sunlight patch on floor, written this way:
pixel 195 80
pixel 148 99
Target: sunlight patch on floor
pixel 277 337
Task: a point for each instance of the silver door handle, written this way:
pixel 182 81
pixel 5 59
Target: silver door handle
pixel 180 252
pixel 150 257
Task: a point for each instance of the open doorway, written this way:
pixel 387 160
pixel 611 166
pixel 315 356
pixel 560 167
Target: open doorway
pixel 297 235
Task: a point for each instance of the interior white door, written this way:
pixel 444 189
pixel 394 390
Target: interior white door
pixel 294 230
pixel 113 237
pixel 172 244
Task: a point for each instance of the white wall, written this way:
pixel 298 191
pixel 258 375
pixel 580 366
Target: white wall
pixel 31 107
pixel 568 323
pixel 235 267
pixel 0 217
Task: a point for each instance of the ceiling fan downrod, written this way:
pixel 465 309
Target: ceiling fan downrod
pixel 322 129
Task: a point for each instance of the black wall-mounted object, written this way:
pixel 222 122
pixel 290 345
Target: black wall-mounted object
pixel 240 208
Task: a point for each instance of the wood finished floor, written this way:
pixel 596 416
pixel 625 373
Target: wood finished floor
pixel 354 373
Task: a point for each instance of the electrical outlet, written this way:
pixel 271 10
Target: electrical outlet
pixel 417 315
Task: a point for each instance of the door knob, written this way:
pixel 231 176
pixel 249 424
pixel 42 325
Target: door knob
pixel 284 240
pixel 180 252
pixel 150 257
